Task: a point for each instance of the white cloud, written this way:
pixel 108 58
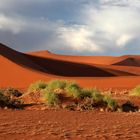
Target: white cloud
pixel 123 40
pixel 102 29
pixel 114 26
pixel 121 2
pixel 11 24
pixel 78 38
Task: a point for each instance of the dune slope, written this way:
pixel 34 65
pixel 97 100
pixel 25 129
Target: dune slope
pixel 16 69
pixel 128 61
pixel 70 69
pixel 17 57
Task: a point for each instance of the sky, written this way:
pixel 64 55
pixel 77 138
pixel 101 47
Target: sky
pixel 76 27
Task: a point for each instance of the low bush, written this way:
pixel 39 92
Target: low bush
pixel 6 100
pixel 135 91
pixel 85 98
pixel 96 96
pixel 37 86
pixel 86 92
pixel 86 104
pixel 129 107
pixel 73 90
pixel 12 92
pixel 56 84
pixel 3 99
pixel 50 98
pixel 111 103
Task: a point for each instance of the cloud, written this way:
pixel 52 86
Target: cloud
pixel 78 38
pixel 106 27
pixel 11 24
pixel 82 27
pixel 115 26
pixel 123 40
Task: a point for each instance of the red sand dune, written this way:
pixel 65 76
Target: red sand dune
pixel 107 60
pixel 16 69
pixel 19 70
pixel 128 61
pixel 75 69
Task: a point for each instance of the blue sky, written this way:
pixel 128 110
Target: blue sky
pixel 82 27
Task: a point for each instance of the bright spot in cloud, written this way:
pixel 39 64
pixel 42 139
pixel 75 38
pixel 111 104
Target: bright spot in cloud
pixel 79 38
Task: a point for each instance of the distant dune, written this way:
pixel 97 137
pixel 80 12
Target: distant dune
pixel 128 61
pixel 20 69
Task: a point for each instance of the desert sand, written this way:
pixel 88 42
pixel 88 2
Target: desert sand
pixel 62 125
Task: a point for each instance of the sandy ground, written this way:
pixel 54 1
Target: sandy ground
pixel 73 125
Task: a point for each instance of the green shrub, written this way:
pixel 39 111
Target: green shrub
pixel 73 90
pixel 51 98
pixel 95 91
pixel 12 92
pixel 101 100
pixel 86 92
pixel 56 84
pixel 111 103
pixel 96 96
pixel 135 91
pixel 37 86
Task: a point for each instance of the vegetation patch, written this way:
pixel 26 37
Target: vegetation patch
pixel 73 90
pixel 39 85
pixel 129 107
pixel 56 84
pixel 111 103
pixel 12 92
pixel 97 97
pixel 9 98
pixel 86 92
pixel 67 95
pixel 85 98
pixel 135 91
pixel 51 98
pixel 3 99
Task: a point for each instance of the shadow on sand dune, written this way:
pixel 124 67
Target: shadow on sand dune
pixel 58 67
